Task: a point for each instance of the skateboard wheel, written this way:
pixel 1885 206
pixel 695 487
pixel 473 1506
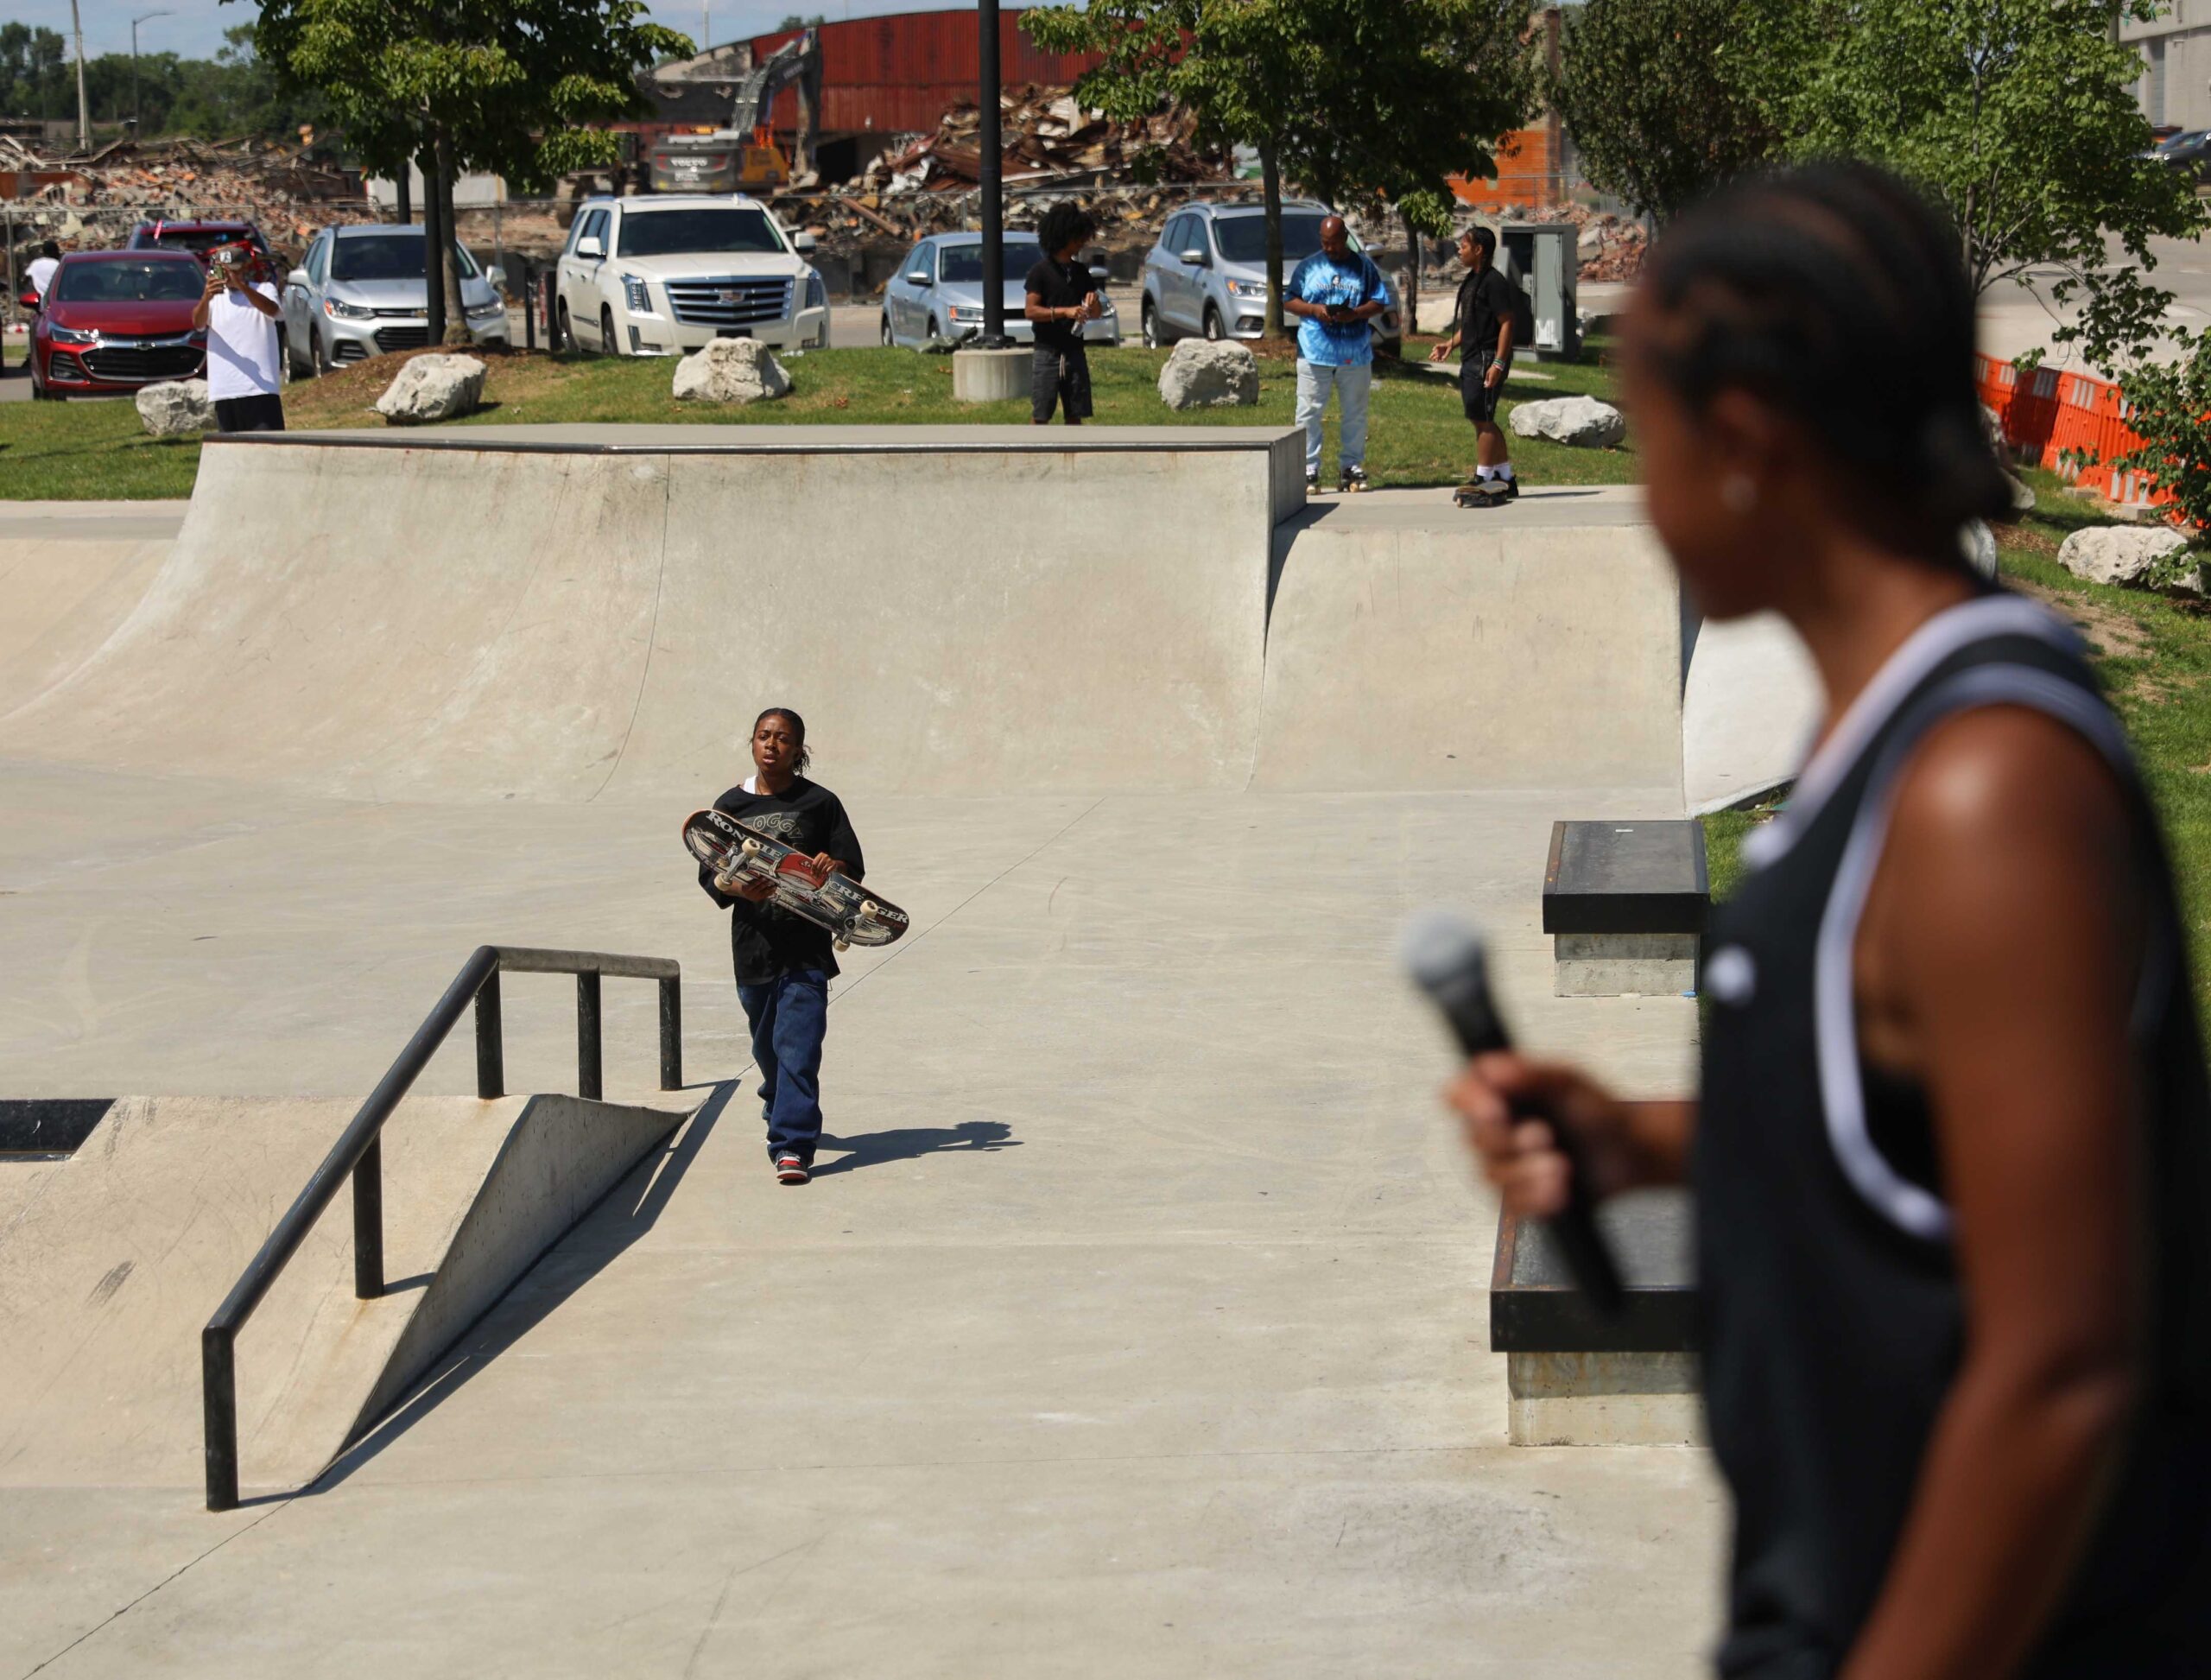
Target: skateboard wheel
pixel 869 908
pixel 843 944
pixel 749 849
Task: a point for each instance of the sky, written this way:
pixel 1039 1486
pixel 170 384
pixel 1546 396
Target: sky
pixel 194 29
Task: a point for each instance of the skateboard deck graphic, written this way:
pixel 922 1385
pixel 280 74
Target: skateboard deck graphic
pixel 852 915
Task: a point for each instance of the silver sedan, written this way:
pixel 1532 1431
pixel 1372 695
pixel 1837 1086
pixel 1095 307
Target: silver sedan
pixel 937 292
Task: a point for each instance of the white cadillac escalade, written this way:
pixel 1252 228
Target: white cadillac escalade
pixel 662 274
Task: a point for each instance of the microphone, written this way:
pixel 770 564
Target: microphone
pixel 1446 959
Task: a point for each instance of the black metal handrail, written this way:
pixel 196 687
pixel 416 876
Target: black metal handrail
pixel 359 1152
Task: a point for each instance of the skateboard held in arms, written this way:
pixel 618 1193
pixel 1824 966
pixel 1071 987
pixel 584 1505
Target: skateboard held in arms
pixel 741 852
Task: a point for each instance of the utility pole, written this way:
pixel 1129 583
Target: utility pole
pixel 993 336
pixel 135 123
pixel 83 114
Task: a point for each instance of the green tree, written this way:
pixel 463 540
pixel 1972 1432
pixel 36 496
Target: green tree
pixel 34 78
pixel 2019 116
pixel 1667 99
pixel 2169 408
pixel 1361 98
pixel 516 88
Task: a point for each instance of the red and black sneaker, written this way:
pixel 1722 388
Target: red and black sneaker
pixel 789 1169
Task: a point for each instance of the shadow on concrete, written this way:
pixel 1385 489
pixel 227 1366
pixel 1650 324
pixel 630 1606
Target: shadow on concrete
pixel 624 1215
pixel 908 1142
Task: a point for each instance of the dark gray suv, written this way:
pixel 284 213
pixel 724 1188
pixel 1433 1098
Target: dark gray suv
pixel 1208 274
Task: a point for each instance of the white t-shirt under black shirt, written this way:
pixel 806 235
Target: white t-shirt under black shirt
pixel 241 346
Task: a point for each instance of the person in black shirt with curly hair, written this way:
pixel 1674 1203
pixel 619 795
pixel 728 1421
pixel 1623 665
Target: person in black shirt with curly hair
pixel 1062 294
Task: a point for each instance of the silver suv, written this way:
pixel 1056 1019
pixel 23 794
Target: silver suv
pixel 358 292
pixel 1208 273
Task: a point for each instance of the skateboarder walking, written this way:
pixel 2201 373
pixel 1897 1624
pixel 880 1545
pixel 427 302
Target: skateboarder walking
pixel 1482 335
pixel 783 961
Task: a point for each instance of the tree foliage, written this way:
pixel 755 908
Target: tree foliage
pixel 2168 407
pixel 2020 117
pixel 1668 98
pixel 513 86
pixel 1360 100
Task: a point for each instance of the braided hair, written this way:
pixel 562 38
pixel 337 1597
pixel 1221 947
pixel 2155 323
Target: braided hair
pixel 1836 293
pixel 802 760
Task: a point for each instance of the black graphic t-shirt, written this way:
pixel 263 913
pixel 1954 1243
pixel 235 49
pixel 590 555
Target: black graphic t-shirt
pixel 767 939
pixel 1060 285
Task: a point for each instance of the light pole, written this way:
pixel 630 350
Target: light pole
pixel 83 115
pixel 141 18
pixel 987 43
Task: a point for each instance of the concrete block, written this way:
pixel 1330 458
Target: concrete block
pixel 1623 965
pixel 991 376
pixel 1603 1400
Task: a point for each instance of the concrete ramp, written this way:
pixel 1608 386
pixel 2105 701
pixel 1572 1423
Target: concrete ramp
pixel 110 1262
pixel 68 577
pixel 1414 645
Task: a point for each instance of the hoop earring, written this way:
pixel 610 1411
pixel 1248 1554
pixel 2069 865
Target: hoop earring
pixel 1739 494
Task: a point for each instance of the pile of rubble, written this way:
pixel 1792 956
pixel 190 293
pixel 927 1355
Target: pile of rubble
pixel 1612 248
pixel 88 198
pixel 1046 135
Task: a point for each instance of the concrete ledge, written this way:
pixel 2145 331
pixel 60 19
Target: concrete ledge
pixel 991 376
pixel 1603 1400
pixel 1623 965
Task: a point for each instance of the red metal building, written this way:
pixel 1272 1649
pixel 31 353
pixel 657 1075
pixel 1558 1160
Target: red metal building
pixel 897 74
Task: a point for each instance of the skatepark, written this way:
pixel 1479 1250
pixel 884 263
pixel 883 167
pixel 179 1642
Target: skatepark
pixel 1135 1321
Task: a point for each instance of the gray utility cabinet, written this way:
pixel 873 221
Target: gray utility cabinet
pixel 1545 257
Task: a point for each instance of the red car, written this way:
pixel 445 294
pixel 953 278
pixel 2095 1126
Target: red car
pixel 198 238
pixel 113 321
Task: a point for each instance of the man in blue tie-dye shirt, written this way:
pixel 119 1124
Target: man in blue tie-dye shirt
pixel 1335 294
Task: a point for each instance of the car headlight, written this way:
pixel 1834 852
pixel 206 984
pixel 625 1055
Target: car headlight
pixel 1104 304
pixel 494 306
pixel 71 335
pixel 339 309
pixel 961 311
pixel 817 291
pixel 636 295
pixel 1247 288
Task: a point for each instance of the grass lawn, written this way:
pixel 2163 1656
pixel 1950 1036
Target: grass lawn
pixel 2153 655
pixel 1417 433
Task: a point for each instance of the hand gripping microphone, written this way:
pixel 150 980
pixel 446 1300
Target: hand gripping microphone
pixel 1445 960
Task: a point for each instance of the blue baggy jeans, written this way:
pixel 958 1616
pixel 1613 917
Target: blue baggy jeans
pixel 789 1016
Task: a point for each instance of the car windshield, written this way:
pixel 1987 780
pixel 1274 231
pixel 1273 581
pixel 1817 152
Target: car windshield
pixel 387 257
pixel 963 264
pixel 195 239
pixel 669 232
pixel 1243 239
pixel 154 282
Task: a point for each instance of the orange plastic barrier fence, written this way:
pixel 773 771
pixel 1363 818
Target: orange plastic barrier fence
pixel 2047 415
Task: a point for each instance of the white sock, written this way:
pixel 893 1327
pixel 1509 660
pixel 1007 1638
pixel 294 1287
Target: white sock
pixel 1484 474
pixel 1504 471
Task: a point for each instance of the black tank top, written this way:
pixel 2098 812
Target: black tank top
pixel 1833 1314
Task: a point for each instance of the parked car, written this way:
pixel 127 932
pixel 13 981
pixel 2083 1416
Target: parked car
pixel 938 292
pixel 2188 152
pixel 358 292
pixel 198 238
pixel 113 321
pixel 663 274
pixel 1208 274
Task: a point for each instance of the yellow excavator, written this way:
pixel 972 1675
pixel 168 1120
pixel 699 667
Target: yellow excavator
pixel 741 155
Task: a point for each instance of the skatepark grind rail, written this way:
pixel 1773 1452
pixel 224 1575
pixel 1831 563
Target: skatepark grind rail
pixel 358 1153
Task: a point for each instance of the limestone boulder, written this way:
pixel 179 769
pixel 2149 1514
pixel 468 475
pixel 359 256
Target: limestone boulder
pixel 731 370
pixel 2023 495
pixel 1221 374
pixel 1978 544
pixel 1580 422
pixel 175 407
pixel 430 389
pixel 2119 554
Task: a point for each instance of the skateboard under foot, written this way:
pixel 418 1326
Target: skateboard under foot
pixel 1482 493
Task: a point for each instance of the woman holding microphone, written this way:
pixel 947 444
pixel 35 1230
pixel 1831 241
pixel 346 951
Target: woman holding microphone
pixel 1952 1152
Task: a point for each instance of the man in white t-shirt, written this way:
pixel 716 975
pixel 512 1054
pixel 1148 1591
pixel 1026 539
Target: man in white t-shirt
pixel 41 272
pixel 239 311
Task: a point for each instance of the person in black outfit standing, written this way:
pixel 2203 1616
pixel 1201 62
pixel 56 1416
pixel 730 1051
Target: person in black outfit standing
pixel 1952 1152
pixel 1481 335
pixel 784 962
pixel 1061 294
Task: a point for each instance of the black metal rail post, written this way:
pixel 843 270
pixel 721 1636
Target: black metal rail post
pixel 358 1153
pixel 587 1065
pixel 671 1034
pixel 986 43
pixel 491 1043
